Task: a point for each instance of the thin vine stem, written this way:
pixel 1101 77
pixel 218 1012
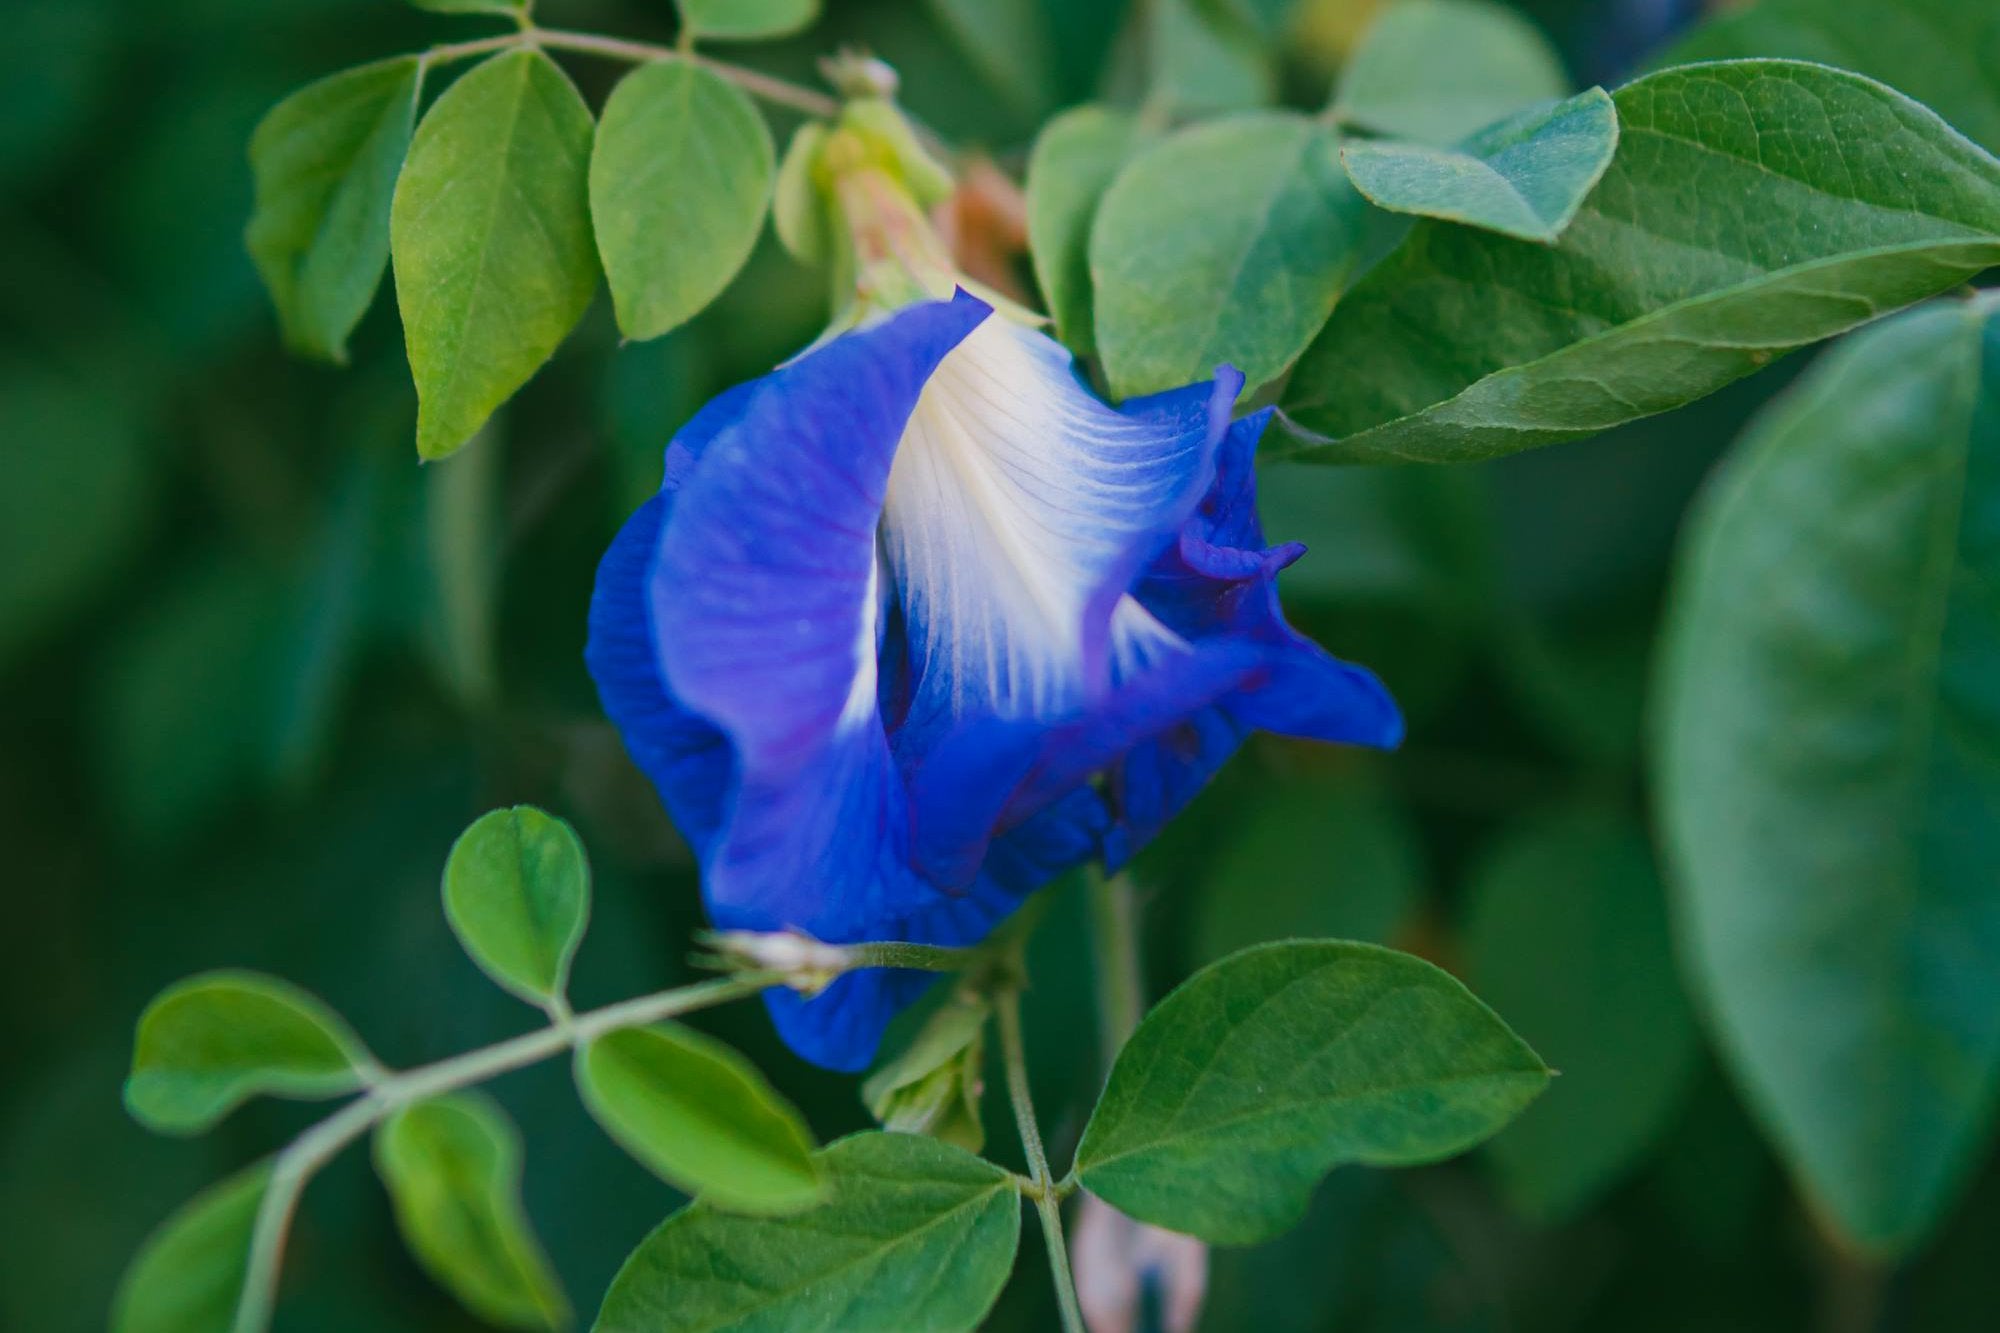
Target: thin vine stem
pixel 1046 1196
pixel 297 1162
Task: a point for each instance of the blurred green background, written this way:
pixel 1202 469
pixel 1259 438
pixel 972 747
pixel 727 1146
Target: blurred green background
pixel 260 669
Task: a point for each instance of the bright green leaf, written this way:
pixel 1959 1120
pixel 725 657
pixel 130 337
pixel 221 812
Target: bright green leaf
pixel 517 894
pixel 1436 70
pixel 1751 208
pixel 679 183
pixel 1264 1071
pixel 208 1044
pixel 1944 53
pixel 1243 269
pixel 452 1166
pixel 1524 177
pixel 1565 932
pixel 325 161
pixel 189 1275
pixel 1074 160
pixel 740 20
pixel 1829 767
pixel 799 213
pixel 491 238
pixel 702 1117
pixel 915 1235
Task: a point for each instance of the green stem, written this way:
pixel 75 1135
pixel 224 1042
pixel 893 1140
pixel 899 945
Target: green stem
pixel 1045 1195
pixel 389 1093
pixel 1121 996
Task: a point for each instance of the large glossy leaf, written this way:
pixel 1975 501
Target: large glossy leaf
pixel 1944 53
pixel 1229 242
pixel 1829 767
pixel 208 1044
pixel 490 232
pixel 189 1275
pixel 517 894
pixel 1525 177
pixel 1436 70
pixel 1075 158
pixel 747 20
pixel 702 1117
pixel 679 183
pixel 1752 207
pixel 1565 932
pixel 325 161
pixel 1266 1070
pixel 915 1235
pixel 452 1166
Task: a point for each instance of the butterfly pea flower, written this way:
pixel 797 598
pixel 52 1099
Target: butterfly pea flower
pixel 917 622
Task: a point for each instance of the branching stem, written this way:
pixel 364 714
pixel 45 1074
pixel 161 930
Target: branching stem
pixel 1045 1194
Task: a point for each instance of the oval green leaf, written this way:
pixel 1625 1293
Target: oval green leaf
pixel 680 179
pixel 1750 209
pixel 1242 270
pixel 1565 931
pixel 1525 177
pixel 701 1117
pixel 490 233
pixel 209 1043
pixel 517 894
pixel 1074 160
pixel 453 1170
pixel 747 20
pixel 1827 775
pixel 1437 70
pixel 915 1235
pixel 1264 1071
pixel 188 1276
pixel 325 162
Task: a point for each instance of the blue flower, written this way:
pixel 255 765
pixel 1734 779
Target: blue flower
pixel 916 623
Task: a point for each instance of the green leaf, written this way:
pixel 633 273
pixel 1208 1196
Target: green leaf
pixel 210 1043
pixel 679 183
pixel 1829 767
pixel 702 1117
pixel 1436 70
pixel 452 1166
pixel 1243 269
pixel 471 6
pixel 934 1086
pixel 1074 160
pixel 741 20
pixel 1008 42
pixel 325 161
pixel 491 238
pixel 915 1235
pixel 1566 933
pixel 1311 858
pixel 799 214
pixel 517 894
pixel 1200 62
pixel 188 1276
pixel 1524 177
pixel 1750 209
pixel 1941 52
pixel 1264 1071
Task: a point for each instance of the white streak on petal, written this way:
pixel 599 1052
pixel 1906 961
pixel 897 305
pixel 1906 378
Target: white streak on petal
pixel 860 705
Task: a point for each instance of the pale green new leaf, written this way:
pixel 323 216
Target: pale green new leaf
pixel 1264 1071
pixel 1829 768
pixel 1075 158
pixel 452 1166
pixel 517 894
pixel 1229 241
pixel 1525 177
pixel 747 20
pixel 915 1236
pixel 325 161
pixel 1436 70
pixel 490 233
pixel 207 1044
pixel 679 183
pixel 188 1276
pixel 1752 207
pixel 1565 932
pixel 702 1117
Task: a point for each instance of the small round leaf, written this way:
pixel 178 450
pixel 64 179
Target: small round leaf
pixel 517 895
pixel 747 20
